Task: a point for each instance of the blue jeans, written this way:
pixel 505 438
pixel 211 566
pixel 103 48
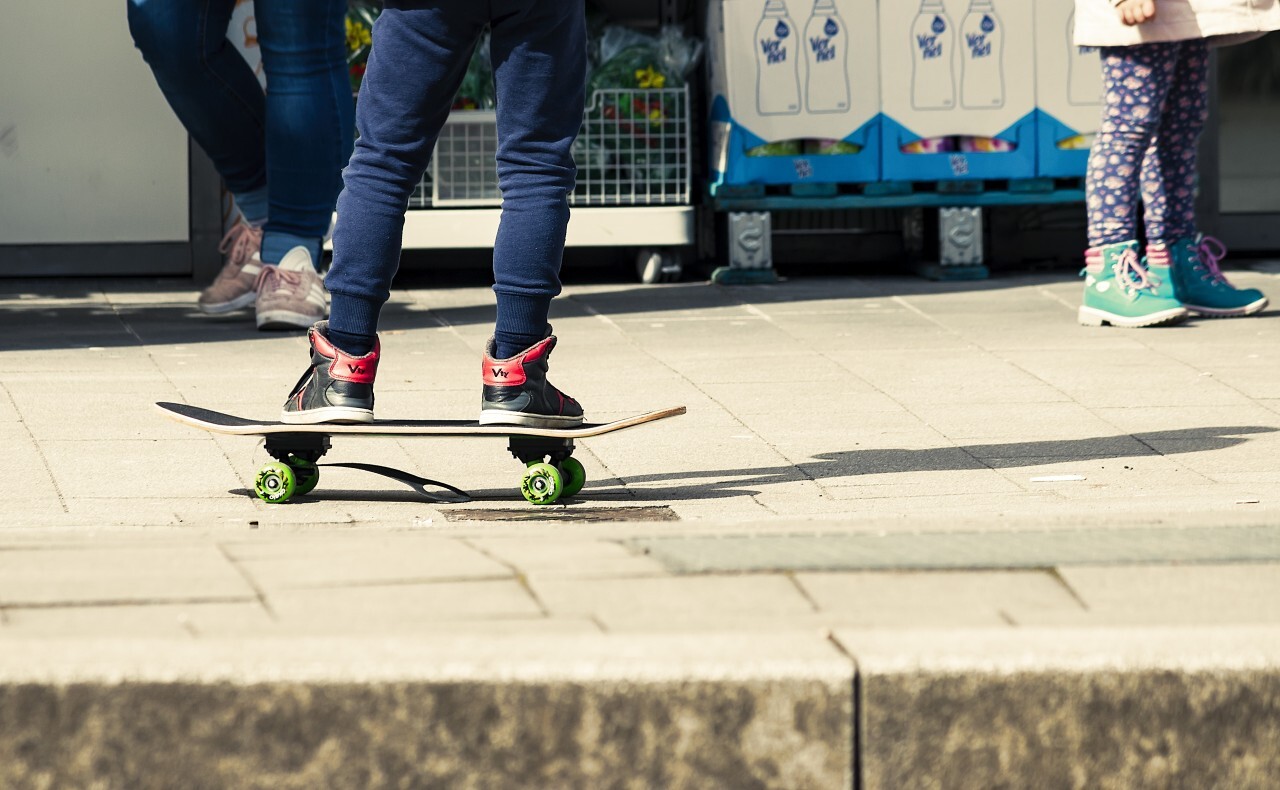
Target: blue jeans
pixel 292 142
pixel 419 57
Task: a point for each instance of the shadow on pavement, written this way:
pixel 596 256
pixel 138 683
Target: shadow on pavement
pixel 722 483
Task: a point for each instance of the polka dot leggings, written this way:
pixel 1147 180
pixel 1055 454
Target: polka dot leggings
pixel 1156 108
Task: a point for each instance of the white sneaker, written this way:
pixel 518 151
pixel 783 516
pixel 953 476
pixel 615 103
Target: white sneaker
pixel 291 295
pixel 236 286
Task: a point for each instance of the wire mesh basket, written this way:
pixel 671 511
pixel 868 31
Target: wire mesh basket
pixel 633 150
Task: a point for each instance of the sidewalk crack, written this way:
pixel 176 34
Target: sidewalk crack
pixel 258 592
pixel 518 575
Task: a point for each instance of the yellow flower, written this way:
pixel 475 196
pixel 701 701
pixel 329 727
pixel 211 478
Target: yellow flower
pixel 358 36
pixel 647 77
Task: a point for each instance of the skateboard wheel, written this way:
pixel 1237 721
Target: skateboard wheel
pixel 275 483
pixel 306 473
pixel 541 484
pixel 572 475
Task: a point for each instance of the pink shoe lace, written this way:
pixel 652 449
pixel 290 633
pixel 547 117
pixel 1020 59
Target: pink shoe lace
pixel 1132 274
pixel 1210 251
pixel 240 243
pixel 267 278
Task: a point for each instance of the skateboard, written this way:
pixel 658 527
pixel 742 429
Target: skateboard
pixel 551 471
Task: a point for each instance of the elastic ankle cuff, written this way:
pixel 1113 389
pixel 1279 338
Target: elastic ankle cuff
pixel 353 316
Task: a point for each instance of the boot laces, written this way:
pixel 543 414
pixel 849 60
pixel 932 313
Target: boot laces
pixel 1131 274
pixel 1210 252
pixel 239 244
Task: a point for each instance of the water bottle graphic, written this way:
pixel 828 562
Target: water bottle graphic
pixel 982 56
pixel 777 62
pixel 826 40
pixel 1084 71
pixel 933 84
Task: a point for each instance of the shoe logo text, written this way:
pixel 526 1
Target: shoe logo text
pixel 356 369
pixel 499 373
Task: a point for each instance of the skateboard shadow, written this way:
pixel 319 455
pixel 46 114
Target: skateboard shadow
pixel 743 482
pixel 851 463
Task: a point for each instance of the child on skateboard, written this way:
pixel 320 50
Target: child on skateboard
pixel 419 56
pixel 1155 65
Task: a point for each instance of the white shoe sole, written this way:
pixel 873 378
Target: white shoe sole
pixel 327 414
pixel 499 417
pixel 286 319
pixel 239 303
pixel 1239 312
pixel 1092 316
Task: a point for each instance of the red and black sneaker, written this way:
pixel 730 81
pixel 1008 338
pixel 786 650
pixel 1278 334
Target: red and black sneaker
pixel 337 387
pixel 516 391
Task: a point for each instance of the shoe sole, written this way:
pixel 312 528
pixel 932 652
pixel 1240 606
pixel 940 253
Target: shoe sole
pixel 239 303
pixel 524 420
pixel 328 414
pixel 1091 316
pixel 286 319
pixel 1237 312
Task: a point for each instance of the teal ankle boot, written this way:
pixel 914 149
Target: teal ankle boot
pixel 1118 290
pixel 1199 283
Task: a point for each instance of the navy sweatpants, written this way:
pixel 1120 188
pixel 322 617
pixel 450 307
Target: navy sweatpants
pixel 420 53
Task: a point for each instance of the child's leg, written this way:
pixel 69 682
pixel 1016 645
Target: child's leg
pixel 419 57
pixel 539 54
pixel 1136 80
pixel 1169 167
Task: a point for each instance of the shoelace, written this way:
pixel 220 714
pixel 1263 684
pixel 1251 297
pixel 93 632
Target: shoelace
pixel 269 274
pixel 239 244
pixel 1132 274
pixel 1210 252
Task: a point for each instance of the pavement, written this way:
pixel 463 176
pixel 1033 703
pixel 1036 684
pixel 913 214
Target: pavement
pixel 909 534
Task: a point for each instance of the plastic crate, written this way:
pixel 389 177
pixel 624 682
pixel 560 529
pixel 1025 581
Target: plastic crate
pixel 633 150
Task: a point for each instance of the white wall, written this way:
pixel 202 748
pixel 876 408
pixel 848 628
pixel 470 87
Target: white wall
pixel 89 150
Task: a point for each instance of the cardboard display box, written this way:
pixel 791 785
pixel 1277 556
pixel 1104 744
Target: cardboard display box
pixel 794 91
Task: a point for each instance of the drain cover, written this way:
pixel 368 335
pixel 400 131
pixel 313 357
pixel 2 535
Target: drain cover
pixel 648 513
pixel 960 550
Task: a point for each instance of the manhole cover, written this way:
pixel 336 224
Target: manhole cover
pixel 597 514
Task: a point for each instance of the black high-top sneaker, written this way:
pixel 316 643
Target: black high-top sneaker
pixel 337 387
pixel 516 391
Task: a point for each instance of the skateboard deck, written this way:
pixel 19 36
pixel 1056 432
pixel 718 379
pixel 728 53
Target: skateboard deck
pixel 551 471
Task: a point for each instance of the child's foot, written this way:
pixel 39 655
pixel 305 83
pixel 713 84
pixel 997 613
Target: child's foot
pixel 291 295
pixel 1200 283
pixel 1119 291
pixel 336 387
pixel 235 287
pixel 516 390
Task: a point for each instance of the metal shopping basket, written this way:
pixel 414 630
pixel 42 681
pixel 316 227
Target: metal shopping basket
pixel 633 150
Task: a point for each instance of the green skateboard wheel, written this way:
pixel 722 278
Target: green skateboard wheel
pixel 541 484
pixel 307 474
pixel 573 476
pixel 275 483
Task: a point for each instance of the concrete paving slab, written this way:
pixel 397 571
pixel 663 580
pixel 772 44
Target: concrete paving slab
pixel 733 603
pixel 137 621
pixel 398 607
pixel 77 576
pixel 124 469
pixel 355 560
pixel 576 558
pixel 1201 595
